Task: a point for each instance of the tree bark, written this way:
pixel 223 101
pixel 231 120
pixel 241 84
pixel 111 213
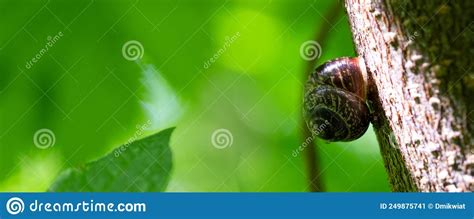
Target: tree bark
pixel 418 55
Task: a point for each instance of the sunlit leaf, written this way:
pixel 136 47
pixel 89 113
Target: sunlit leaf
pixel 141 166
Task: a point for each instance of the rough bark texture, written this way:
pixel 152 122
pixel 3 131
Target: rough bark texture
pixel 419 57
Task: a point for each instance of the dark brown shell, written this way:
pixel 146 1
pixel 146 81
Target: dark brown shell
pixel 334 100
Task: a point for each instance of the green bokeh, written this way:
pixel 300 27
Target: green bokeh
pixel 93 99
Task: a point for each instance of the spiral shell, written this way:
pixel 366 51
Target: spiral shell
pixel 334 100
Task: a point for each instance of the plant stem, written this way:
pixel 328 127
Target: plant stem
pixel 312 159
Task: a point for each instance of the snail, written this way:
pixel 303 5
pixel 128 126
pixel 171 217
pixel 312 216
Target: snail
pixel 335 98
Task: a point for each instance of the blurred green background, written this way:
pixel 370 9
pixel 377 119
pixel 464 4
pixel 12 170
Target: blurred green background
pixel 93 99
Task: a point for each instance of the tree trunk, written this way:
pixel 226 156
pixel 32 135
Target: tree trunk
pixel 418 54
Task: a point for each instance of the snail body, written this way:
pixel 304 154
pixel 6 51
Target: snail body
pixel 335 100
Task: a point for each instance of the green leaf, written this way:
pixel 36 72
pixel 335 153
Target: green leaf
pixel 140 166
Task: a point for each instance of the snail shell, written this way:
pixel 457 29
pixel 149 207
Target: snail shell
pixel 335 100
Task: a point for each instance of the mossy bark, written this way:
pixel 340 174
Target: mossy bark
pixel 419 55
